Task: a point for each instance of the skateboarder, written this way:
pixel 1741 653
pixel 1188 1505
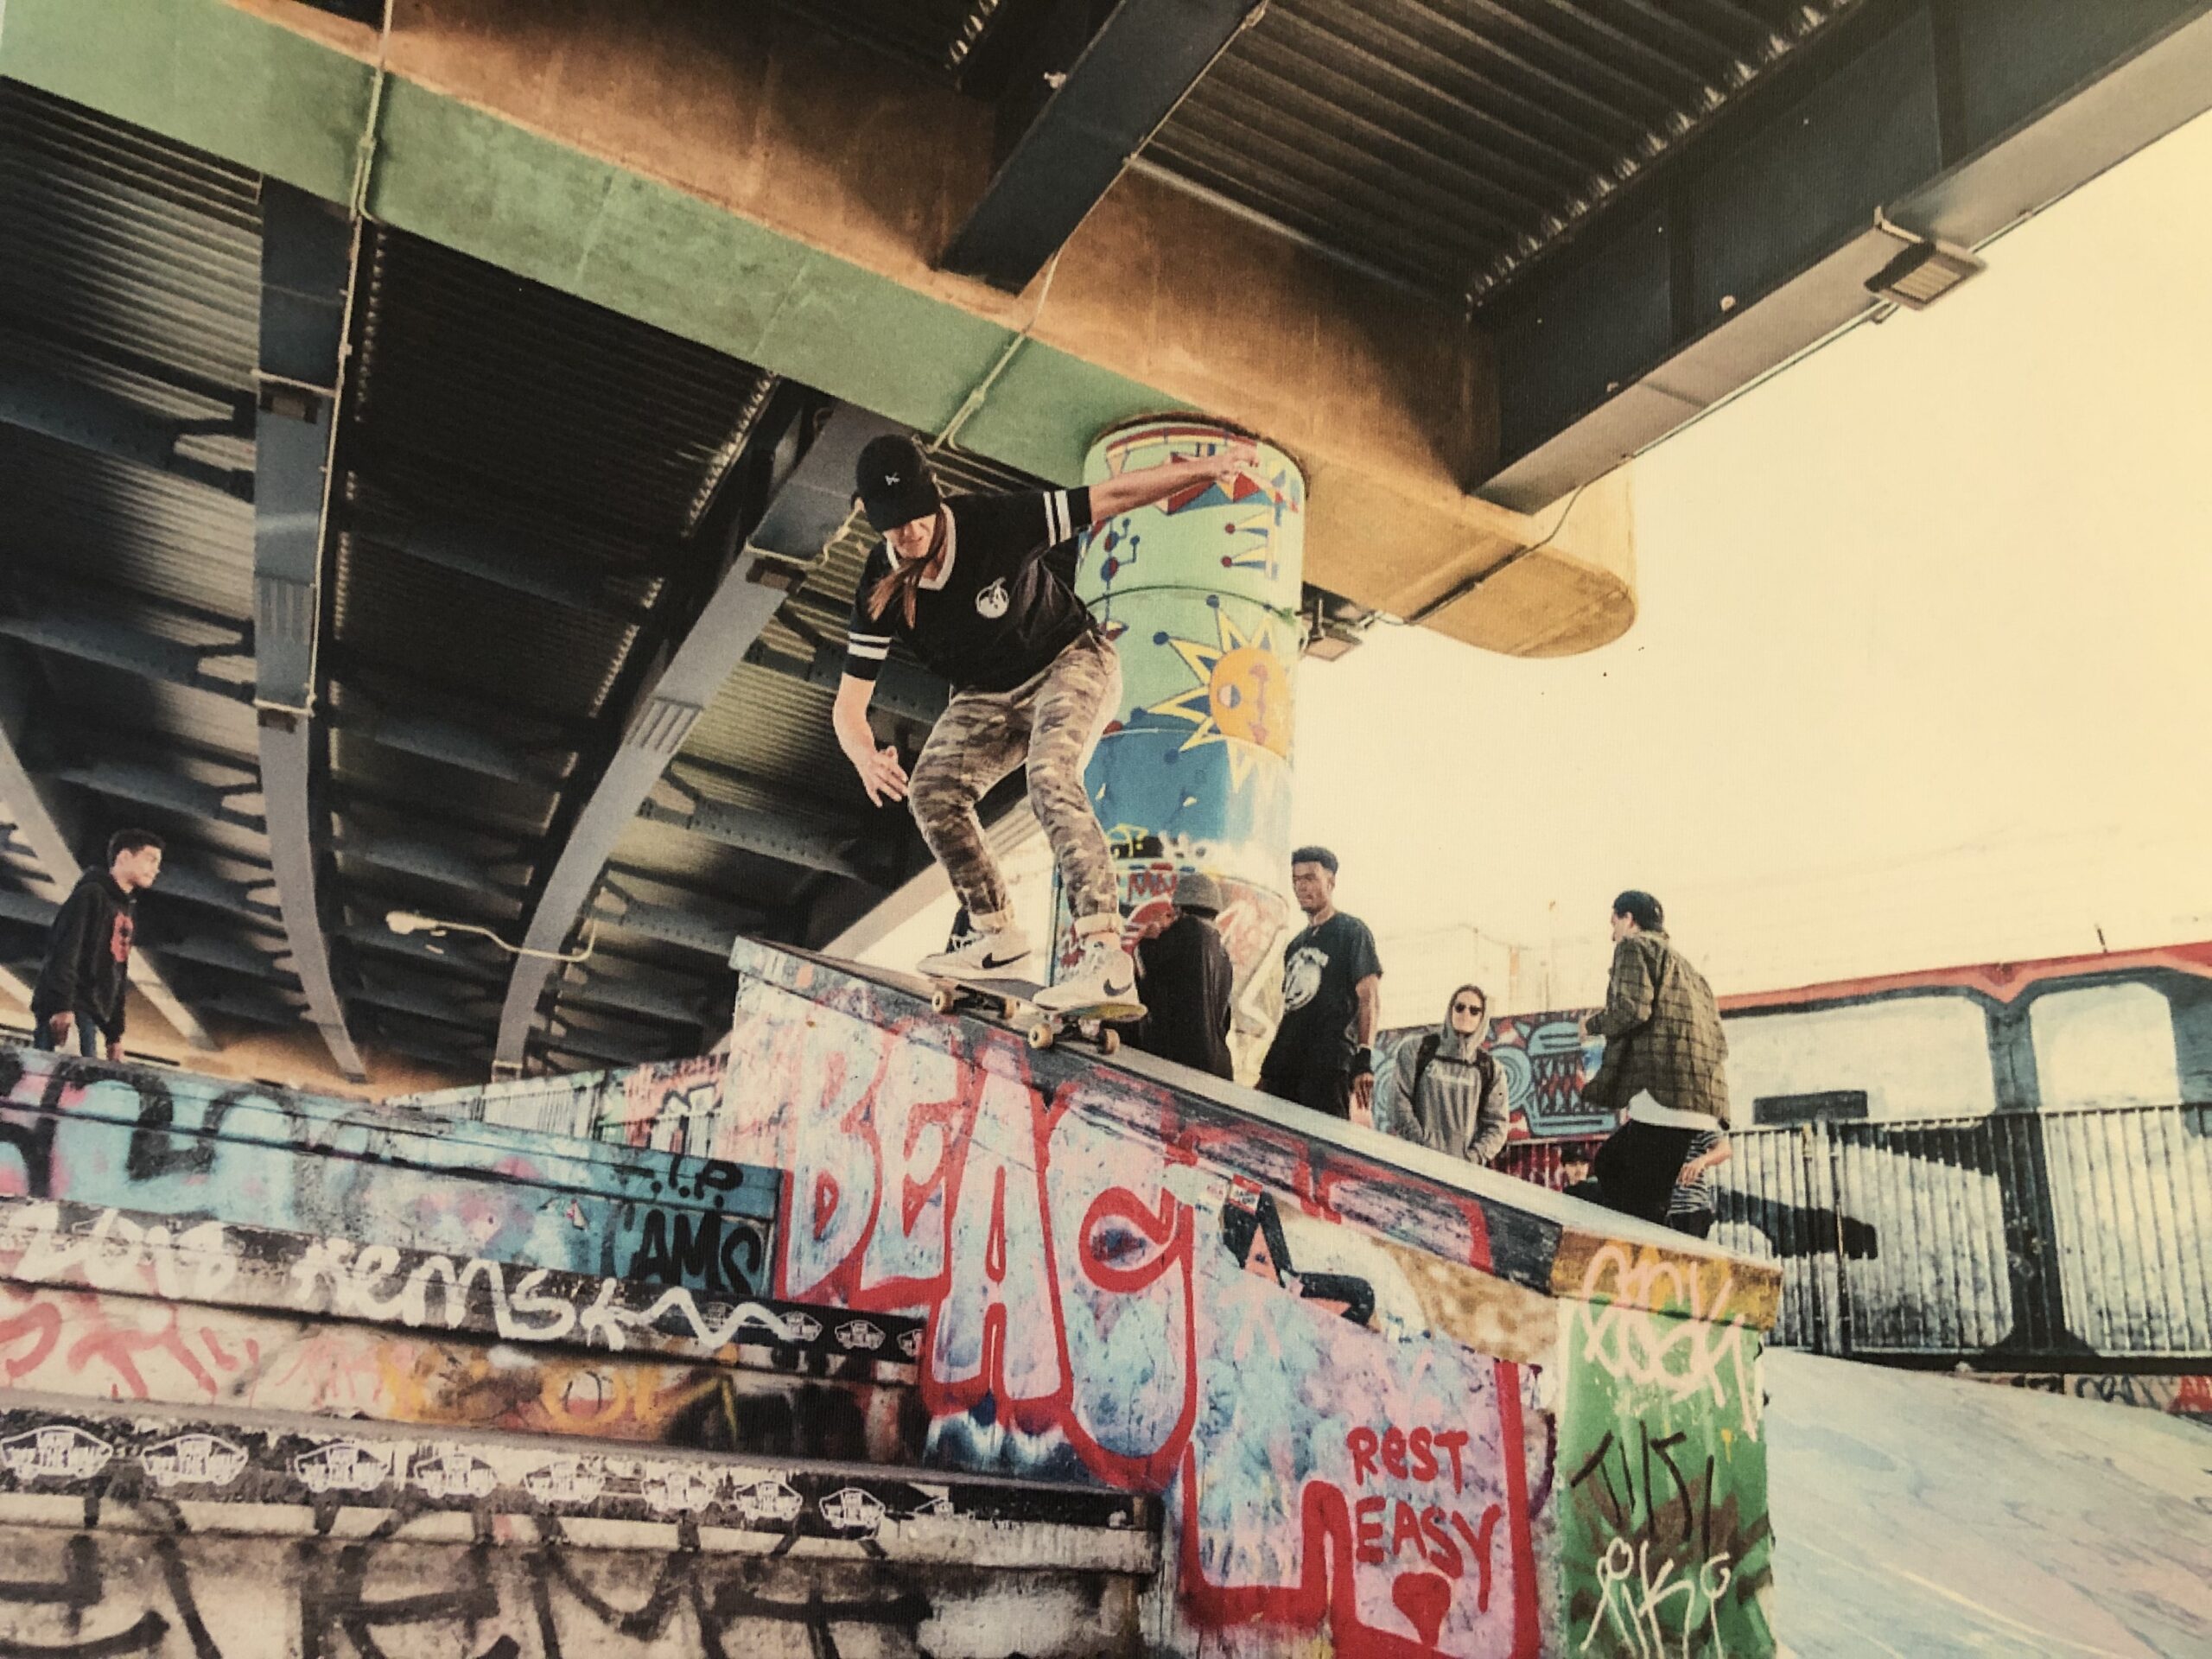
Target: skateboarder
pixel 961 584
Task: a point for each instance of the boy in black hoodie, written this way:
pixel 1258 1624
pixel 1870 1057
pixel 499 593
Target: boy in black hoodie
pixel 80 985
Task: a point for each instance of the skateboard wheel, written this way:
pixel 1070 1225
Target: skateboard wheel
pixel 1008 1008
pixel 1041 1035
pixel 944 1001
pixel 1109 1041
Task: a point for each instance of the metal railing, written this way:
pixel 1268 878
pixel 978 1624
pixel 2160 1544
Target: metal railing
pixel 2044 1236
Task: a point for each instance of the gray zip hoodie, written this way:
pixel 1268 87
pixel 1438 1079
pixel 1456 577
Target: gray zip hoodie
pixel 1455 1115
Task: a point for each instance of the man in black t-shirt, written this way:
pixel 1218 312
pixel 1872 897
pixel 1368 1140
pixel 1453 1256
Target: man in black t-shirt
pixel 962 583
pixel 1322 1055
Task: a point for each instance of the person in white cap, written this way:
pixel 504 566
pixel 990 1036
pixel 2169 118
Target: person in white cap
pixel 961 584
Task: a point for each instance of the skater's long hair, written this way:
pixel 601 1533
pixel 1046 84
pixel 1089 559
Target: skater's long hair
pixel 903 583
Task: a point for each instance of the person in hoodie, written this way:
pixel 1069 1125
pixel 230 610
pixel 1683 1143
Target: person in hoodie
pixel 1185 981
pixel 80 984
pixel 1451 1094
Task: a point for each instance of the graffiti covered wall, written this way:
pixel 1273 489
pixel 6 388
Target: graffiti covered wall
pixel 1346 1376
pixel 217 1537
pixel 137 1140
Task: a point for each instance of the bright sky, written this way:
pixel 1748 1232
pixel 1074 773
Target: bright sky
pixel 1920 674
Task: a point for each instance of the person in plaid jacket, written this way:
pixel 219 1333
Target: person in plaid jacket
pixel 1665 1061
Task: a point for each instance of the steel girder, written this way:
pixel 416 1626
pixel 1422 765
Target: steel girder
pixel 68 629
pixel 1110 90
pixel 85 417
pixel 808 506
pixel 307 272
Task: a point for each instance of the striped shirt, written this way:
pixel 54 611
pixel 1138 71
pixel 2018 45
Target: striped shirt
pixel 1701 1196
pixel 993 616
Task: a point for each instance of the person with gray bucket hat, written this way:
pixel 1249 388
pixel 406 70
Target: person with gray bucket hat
pixel 961 584
pixel 1185 980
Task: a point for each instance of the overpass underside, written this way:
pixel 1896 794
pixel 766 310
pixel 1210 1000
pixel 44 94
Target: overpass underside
pixel 425 438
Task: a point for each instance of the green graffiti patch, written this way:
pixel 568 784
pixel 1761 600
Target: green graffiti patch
pixel 1665 1547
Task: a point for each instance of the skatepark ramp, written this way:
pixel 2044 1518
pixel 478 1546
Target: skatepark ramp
pixel 881 1333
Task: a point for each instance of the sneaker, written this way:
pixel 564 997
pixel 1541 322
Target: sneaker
pixel 1106 973
pixel 981 955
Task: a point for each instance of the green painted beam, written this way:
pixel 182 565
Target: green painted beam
pixel 255 93
pixel 202 74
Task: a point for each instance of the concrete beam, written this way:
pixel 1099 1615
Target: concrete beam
pixel 726 626
pixel 1110 90
pixel 726 209
pixel 1954 119
pixel 46 828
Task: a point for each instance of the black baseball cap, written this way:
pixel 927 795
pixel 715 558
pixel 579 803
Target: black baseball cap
pixel 893 483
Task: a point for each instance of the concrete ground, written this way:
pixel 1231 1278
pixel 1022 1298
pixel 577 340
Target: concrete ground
pixel 1923 1515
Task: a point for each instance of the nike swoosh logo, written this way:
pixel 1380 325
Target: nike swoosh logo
pixel 1003 962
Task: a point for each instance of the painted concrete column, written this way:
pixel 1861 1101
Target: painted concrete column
pixel 1200 597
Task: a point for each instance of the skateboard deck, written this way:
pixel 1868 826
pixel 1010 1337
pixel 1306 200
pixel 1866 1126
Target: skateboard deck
pixel 1016 1002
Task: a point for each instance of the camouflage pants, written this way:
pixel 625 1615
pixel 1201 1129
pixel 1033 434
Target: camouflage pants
pixel 1053 720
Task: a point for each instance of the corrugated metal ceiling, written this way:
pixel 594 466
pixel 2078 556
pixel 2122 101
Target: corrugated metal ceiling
pixel 1441 144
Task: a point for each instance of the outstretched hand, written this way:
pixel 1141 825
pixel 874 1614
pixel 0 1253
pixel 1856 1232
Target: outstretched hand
pixel 882 775
pixel 1240 456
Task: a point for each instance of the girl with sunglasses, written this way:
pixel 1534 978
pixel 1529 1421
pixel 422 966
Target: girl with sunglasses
pixel 1450 1093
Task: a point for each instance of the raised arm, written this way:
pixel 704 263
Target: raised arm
pixel 1141 489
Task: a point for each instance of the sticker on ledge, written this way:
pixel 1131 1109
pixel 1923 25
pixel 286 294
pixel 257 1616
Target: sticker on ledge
pixel 346 1466
pixel 673 1486
pixel 850 1510
pixel 858 1334
pixel 55 1452
pixel 563 1481
pixel 454 1474
pixel 193 1461
pixel 767 1502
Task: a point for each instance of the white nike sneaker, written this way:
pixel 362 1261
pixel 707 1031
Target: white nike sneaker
pixel 1003 955
pixel 1106 975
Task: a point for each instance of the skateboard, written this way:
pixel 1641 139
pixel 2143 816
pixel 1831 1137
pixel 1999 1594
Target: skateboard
pixel 1014 1000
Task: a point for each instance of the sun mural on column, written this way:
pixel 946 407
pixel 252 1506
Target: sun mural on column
pixel 1200 596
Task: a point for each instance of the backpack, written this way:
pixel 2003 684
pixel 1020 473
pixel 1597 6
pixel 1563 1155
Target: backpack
pixel 1486 1067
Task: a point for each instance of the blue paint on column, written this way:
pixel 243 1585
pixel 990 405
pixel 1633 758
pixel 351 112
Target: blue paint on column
pixel 1200 597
